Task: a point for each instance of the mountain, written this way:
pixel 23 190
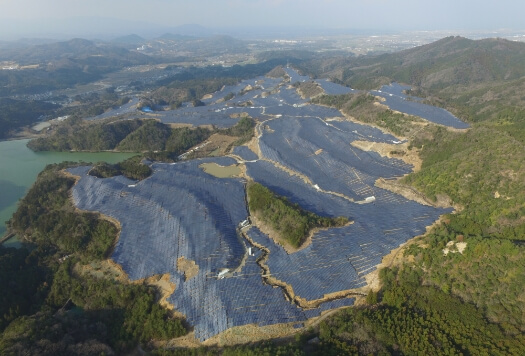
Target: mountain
pixel 450 61
pixel 471 78
pixel 78 26
pixel 64 64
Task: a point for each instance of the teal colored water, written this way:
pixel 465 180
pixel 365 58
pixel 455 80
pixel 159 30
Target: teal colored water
pixel 19 167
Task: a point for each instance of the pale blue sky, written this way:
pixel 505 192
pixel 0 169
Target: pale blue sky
pixel 364 14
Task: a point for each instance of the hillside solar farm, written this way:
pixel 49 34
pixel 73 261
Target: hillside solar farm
pixel 182 216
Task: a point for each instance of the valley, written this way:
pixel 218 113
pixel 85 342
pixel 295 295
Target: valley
pixel 294 198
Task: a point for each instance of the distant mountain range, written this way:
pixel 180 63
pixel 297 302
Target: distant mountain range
pixel 107 28
pixel 80 50
pixel 103 28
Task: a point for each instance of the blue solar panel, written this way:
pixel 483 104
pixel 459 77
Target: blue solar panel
pixel 323 153
pixel 331 88
pixel 245 153
pixel 395 99
pixel 295 76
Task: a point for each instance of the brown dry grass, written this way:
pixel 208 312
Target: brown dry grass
pixel 309 90
pixel 188 267
pixel 216 170
pixel 178 126
pixel 218 145
pixel 165 289
pixel 240 115
pixel 254 146
pixel 399 151
pixel 406 191
pixel 250 333
pixel 102 269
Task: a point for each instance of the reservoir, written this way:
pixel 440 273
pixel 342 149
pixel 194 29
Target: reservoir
pixel 19 167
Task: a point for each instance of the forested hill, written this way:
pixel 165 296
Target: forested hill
pixel 63 64
pixel 76 49
pixel 449 61
pixel 475 80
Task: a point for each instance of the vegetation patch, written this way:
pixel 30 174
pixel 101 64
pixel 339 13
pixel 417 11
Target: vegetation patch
pixel 93 104
pixel 470 168
pixel 156 140
pixel 277 72
pixel 493 279
pixel 46 217
pixel 243 129
pixel 78 135
pixel 131 168
pixel 309 89
pixel 289 220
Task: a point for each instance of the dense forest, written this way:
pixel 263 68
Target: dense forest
pixel 17 113
pixel 156 140
pixel 132 168
pixel 93 104
pixel 290 221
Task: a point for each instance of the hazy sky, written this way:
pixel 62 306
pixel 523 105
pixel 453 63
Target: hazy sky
pixel 363 14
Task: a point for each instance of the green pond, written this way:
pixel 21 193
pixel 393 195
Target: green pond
pixel 19 167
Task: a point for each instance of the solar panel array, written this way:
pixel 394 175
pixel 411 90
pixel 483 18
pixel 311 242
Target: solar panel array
pixel 130 107
pixel 332 88
pixel 219 113
pixel 282 103
pixel 323 153
pixel 338 258
pixel 180 211
pixel 214 305
pixel 396 100
pixel 245 153
pixel 295 76
pixel 398 90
